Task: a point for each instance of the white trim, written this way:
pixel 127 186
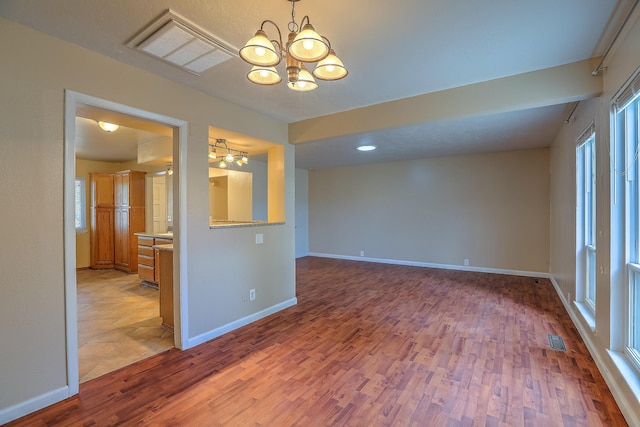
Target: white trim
pixel 69 238
pixel 432 265
pixel 28 406
pixel 180 292
pixel 587 312
pixel 627 406
pixel 72 100
pixel 215 333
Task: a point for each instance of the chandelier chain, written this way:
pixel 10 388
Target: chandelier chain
pixel 293 27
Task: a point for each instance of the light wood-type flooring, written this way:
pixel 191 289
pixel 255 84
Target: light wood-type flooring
pixel 118 322
pixel 368 345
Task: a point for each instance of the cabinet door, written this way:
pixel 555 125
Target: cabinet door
pixel 102 238
pixel 121 188
pixel 122 249
pixel 165 286
pixel 101 190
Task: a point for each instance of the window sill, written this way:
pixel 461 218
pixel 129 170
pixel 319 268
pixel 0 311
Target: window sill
pixel 627 370
pixel 587 314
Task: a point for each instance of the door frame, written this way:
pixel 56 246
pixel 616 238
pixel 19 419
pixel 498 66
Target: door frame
pixel 72 101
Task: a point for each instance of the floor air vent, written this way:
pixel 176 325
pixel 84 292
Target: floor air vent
pixel 556 342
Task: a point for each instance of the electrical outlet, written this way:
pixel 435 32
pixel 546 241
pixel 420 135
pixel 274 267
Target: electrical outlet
pixel 466 261
pixel 252 294
pixel 361 253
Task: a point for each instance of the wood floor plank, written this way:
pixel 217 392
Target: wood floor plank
pixel 368 345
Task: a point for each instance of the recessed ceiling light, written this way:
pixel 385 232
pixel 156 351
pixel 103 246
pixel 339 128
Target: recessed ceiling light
pixel 366 147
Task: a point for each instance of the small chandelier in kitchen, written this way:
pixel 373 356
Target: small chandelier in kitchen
pixel 304 45
pixel 221 153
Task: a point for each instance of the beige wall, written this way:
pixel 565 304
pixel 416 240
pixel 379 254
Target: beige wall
pixel 608 331
pixel 302 213
pixel 36 69
pixel 492 209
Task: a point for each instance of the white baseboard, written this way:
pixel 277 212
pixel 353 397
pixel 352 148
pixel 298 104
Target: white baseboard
pixel 605 362
pixel 28 406
pixel 215 333
pixel 431 265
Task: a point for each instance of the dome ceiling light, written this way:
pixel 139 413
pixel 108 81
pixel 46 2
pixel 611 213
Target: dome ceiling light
pixel 304 45
pixel 108 127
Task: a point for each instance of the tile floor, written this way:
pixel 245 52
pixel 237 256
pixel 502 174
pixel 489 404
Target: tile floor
pixel 118 322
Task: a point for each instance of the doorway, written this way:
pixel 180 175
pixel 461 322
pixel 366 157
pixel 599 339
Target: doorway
pixel 76 102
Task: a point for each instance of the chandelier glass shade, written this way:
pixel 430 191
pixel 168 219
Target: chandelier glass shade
pixel 304 82
pixel 304 46
pixel 260 51
pixel 221 153
pixel 264 75
pixel 330 68
pixel 308 46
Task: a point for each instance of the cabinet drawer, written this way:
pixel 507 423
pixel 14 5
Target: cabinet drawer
pixel 161 241
pixel 145 241
pixel 146 273
pixel 145 250
pixel 146 260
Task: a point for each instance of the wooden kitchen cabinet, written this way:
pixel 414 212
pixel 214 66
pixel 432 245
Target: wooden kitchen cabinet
pixel 165 286
pixel 102 221
pixel 117 213
pixel 129 218
pixel 148 259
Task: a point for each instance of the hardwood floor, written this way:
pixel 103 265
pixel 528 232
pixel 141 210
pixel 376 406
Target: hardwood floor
pixel 369 345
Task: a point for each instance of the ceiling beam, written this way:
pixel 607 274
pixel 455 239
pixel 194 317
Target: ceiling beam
pixel 550 86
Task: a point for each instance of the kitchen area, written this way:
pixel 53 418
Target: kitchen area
pixel 125 252
pixel 125 179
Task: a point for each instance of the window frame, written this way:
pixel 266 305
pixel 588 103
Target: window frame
pixel 586 274
pixel 626 133
pixel 81 213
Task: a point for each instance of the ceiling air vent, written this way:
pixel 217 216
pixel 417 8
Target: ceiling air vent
pixel 174 39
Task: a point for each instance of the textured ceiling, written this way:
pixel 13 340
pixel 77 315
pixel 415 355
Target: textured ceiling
pixel 393 50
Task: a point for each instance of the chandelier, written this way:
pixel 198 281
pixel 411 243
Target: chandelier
pixel 304 46
pixel 220 152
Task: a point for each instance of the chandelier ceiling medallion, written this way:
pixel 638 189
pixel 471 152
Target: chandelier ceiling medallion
pixel 220 152
pixel 304 46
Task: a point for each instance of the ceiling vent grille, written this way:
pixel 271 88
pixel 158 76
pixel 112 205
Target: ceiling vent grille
pixel 179 42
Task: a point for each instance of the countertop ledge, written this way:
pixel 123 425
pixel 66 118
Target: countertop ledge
pixel 158 235
pixel 166 247
pixel 239 224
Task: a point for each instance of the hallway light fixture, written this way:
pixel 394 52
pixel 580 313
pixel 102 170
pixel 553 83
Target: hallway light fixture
pixel 170 169
pixel 220 152
pixel 108 127
pixel 304 45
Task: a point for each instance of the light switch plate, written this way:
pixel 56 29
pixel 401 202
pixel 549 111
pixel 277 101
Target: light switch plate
pixel 259 239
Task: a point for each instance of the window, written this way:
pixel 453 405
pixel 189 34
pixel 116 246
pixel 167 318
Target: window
pixel 626 128
pixel 81 204
pixel 586 219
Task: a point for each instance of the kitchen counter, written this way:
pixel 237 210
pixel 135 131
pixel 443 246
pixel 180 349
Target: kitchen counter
pixel 156 235
pixel 164 247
